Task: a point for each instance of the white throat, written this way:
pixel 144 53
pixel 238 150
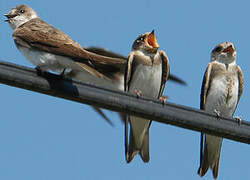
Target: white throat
pixel 20 20
pixel 225 58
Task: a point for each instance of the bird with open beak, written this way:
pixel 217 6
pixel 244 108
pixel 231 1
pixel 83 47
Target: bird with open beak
pixel 220 93
pixel 50 49
pixel 146 75
pixel 118 76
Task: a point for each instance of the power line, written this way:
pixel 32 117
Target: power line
pixel 169 113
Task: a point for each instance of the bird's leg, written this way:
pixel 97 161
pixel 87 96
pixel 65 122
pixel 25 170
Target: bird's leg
pixel 40 71
pixel 138 93
pixel 62 75
pixel 217 113
pixel 163 99
pixel 238 119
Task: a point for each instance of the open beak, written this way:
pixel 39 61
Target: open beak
pixel 9 16
pixel 152 41
pixel 229 49
pixel 7 20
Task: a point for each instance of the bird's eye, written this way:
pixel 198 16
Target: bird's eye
pixel 22 11
pixel 218 49
pixel 141 39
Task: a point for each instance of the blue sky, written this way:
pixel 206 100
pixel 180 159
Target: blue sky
pixel 43 137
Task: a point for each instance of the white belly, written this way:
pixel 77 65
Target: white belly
pixel 48 61
pixel 119 84
pixel 147 79
pixel 56 63
pixel 217 97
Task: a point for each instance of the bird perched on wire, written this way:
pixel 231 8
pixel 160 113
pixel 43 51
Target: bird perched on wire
pixel 50 49
pixel 118 76
pixel 108 53
pixel 221 90
pixel 146 75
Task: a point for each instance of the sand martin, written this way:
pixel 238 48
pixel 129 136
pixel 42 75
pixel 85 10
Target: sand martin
pixel 118 76
pixel 108 53
pixel 220 93
pixel 146 75
pixel 50 49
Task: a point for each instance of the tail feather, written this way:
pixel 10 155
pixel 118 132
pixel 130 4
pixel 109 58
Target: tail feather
pixel 216 168
pixel 203 168
pixel 210 161
pixel 144 152
pixel 132 149
pixel 203 160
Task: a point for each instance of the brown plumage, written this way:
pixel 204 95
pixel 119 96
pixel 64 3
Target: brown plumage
pixel 221 90
pixel 147 71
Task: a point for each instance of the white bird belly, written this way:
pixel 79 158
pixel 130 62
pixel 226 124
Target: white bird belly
pixel 147 79
pixel 48 61
pixel 220 98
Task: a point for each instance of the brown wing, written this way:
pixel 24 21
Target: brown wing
pixel 92 71
pixel 105 52
pixel 205 86
pixel 108 53
pixel 127 77
pixel 128 71
pixel 204 89
pixel 241 82
pixel 106 64
pixel 38 34
pixel 165 71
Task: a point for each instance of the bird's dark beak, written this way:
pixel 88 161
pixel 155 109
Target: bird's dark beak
pixel 9 16
pixel 6 15
pixel 152 41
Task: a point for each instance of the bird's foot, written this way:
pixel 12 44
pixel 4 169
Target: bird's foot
pixel 138 93
pixel 62 75
pixel 39 71
pixel 217 113
pixel 163 99
pixel 238 119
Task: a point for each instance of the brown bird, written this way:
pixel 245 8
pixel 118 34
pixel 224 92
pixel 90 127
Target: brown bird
pixel 118 76
pixel 221 90
pixel 50 49
pixel 146 75
pixel 108 53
